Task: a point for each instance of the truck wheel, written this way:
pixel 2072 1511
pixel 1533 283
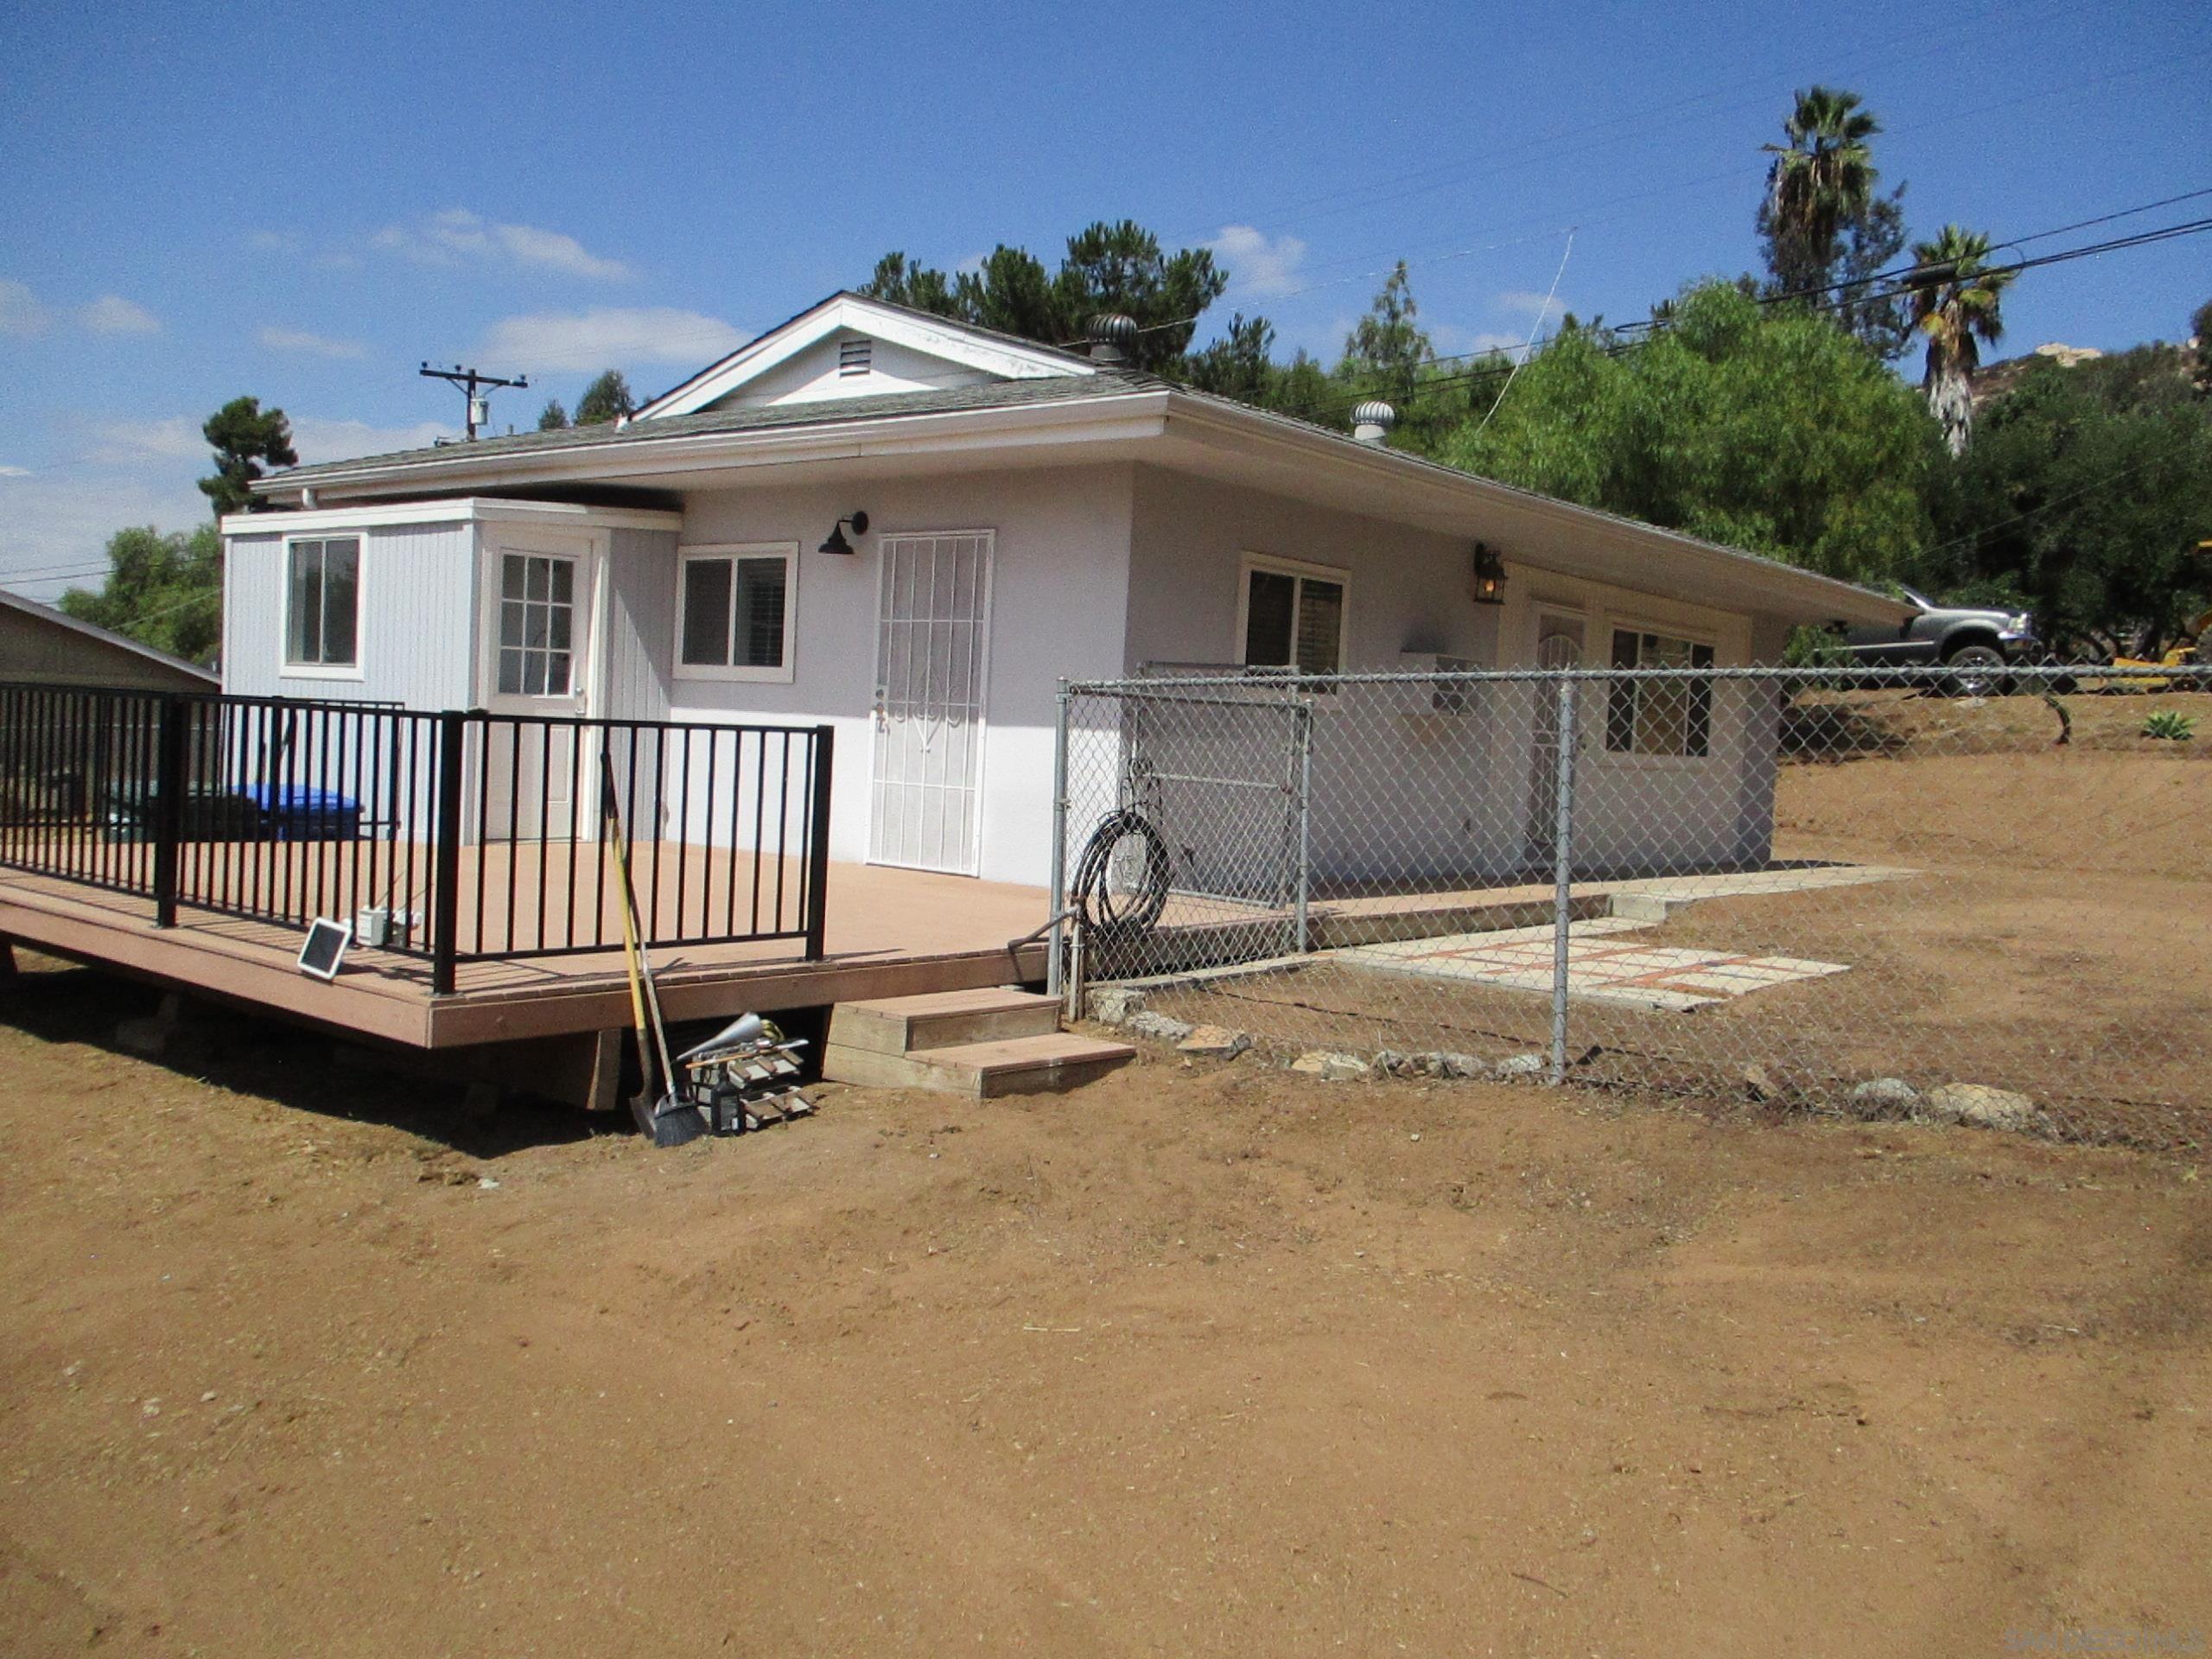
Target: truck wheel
pixel 1976 671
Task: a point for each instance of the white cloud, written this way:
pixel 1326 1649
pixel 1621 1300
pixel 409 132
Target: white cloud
pixel 15 471
pixel 299 339
pixel 317 440
pixel 609 337
pixel 457 235
pixel 1256 266
pixel 122 443
pixel 276 241
pixel 112 314
pixel 21 312
pixel 1538 306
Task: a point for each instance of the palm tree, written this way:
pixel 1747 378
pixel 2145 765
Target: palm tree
pixel 1956 301
pixel 1823 177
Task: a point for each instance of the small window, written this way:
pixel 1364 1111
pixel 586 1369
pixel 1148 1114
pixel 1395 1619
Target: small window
pixel 323 604
pixel 1294 619
pixel 538 625
pixel 854 356
pixel 735 612
pixel 1672 717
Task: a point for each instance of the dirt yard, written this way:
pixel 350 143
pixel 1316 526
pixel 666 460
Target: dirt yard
pixel 296 1360
pixel 2049 930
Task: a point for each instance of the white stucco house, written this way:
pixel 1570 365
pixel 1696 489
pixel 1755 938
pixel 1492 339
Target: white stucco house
pixel 914 529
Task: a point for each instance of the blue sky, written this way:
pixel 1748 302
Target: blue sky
pixel 201 200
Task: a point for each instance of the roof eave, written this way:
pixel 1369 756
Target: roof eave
pixel 1129 412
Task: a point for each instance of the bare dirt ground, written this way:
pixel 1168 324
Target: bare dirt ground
pixel 1193 1361
pixel 2054 935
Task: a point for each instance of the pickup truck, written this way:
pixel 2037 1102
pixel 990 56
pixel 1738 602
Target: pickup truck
pixel 1978 644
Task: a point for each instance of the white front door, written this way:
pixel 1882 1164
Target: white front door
pixel 540 645
pixel 932 649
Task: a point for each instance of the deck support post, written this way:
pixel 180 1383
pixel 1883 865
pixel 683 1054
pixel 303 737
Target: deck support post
pixel 818 846
pixel 168 806
pixel 445 894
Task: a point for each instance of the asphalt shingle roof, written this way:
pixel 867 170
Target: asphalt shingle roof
pixel 996 394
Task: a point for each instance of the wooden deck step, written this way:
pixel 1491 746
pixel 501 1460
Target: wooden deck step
pixel 1011 1065
pixel 899 1024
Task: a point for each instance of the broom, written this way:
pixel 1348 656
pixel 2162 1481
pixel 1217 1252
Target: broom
pixel 669 1122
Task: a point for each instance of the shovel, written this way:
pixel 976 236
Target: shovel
pixel 669 1121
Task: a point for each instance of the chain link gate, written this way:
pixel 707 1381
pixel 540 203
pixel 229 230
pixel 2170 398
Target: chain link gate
pixel 1873 891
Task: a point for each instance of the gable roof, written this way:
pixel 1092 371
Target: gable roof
pixel 986 350
pixel 58 619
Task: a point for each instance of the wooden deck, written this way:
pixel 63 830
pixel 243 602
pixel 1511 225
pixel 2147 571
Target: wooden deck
pixel 890 933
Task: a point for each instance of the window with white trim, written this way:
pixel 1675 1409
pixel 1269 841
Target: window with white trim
pixel 1662 717
pixel 1294 618
pixel 322 603
pixel 735 614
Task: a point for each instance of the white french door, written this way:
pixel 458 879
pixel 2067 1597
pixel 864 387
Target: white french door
pixel 932 649
pixel 541 604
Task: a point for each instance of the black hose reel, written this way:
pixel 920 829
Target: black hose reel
pixel 1114 913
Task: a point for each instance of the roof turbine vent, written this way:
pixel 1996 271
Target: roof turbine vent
pixel 1112 339
pixel 1371 421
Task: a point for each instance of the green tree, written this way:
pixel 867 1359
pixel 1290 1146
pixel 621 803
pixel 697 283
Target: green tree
pixel 166 591
pixel 1822 225
pixel 2085 492
pixel 553 417
pixel 607 398
pixel 1386 350
pixel 1765 427
pixel 2199 332
pixel 243 435
pixel 1958 304
pixel 1106 268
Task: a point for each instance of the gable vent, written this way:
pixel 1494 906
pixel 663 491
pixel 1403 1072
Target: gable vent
pixel 854 356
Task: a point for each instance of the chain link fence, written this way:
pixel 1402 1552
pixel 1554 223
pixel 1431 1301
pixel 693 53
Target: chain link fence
pixel 1888 893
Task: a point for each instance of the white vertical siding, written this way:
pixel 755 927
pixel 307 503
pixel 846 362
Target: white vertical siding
pixel 641 624
pixel 417 624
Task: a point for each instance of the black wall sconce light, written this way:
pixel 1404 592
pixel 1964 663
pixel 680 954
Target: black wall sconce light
pixel 1486 579
pixel 837 543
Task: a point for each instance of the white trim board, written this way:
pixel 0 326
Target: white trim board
pixel 458 510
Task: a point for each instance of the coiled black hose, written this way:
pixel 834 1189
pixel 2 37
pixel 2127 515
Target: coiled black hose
pixel 1114 925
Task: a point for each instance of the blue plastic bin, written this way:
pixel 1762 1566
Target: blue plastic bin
pixel 298 812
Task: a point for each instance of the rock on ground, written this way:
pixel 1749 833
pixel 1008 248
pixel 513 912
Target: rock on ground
pixel 1981 1106
pixel 1331 1066
pixel 1113 1004
pixel 1878 1095
pixel 1218 1041
pixel 1147 1023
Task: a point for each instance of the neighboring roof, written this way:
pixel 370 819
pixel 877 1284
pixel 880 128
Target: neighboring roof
pixel 955 417
pixel 46 613
pixel 968 344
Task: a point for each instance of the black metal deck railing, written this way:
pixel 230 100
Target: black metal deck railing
pixel 455 836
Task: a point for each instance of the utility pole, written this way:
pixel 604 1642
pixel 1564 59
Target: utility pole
pixel 480 406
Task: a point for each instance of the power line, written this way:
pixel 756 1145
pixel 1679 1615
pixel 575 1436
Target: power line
pixel 1902 281
pixel 480 407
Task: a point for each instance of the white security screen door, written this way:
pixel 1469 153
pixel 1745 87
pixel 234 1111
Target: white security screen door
pixel 1559 637
pixel 931 651
pixel 540 601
